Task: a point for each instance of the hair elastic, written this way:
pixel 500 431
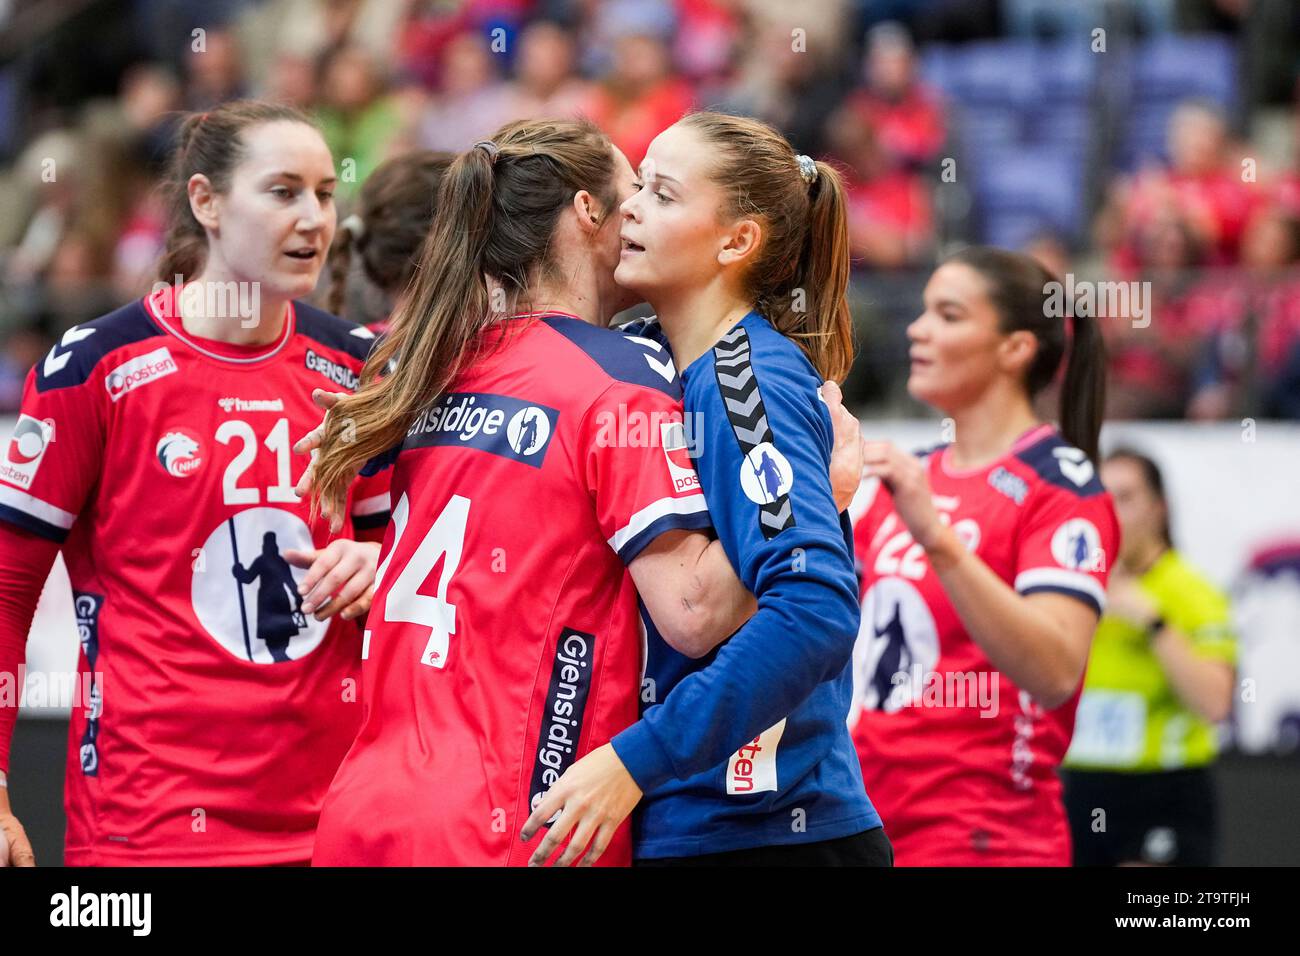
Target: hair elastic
pixel 807 168
pixel 491 147
pixel 355 225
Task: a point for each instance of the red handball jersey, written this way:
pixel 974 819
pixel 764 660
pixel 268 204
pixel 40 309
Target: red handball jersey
pixel 504 641
pixel 161 462
pixel 960 762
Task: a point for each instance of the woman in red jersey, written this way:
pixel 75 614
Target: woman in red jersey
pixel 217 677
pixel 541 487
pixel 984 568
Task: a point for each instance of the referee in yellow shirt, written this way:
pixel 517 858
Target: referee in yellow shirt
pixel 1160 676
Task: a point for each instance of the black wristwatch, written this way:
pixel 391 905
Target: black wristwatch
pixel 1155 627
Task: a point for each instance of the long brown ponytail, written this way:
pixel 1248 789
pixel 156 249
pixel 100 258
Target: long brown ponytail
pixel 1083 392
pixel 800 278
pixel 212 144
pixel 498 207
pixel 1021 290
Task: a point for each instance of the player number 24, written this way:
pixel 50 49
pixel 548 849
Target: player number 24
pixel 404 603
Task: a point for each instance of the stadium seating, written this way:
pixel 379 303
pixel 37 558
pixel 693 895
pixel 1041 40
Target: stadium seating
pixel 1162 73
pixel 1027 116
pixel 1022 112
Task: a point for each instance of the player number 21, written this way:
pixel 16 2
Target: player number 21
pixel 404 603
pixel 278 441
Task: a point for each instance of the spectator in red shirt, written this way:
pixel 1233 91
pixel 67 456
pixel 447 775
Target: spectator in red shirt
pixel 1152 351
pixel 890 221
pixel 1252 317
pixel 546 83
pixel 640 97
pixel 1203 185
pixel 708 32
pixel 907 116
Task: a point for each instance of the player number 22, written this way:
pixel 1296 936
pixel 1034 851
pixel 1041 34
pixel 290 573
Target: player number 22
pixel 404 603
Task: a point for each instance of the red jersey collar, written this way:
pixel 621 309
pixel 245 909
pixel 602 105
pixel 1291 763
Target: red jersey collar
pixel 161 307
pixel 1035 434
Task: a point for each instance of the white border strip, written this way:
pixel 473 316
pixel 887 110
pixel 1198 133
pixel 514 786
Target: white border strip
pixel 373 505
pixel 28 504
pixel 1062 578
pixel 688 505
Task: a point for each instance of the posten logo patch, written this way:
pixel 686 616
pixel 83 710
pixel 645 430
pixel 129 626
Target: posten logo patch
pixel 25 450
pixel 672 438
pixel 140 370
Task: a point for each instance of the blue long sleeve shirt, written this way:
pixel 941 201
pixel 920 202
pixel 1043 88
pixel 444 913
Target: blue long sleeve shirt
pixel 749 745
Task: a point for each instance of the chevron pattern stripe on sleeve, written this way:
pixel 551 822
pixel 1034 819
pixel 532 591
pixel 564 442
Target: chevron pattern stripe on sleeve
pixel 738 387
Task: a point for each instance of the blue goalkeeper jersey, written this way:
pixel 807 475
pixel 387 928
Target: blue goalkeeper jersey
pixel 749 745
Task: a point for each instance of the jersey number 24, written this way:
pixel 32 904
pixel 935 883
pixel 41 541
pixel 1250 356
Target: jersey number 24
pixel 404 603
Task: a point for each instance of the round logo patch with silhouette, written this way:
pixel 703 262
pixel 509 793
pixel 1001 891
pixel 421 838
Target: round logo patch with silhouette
pixel 898 645
pixel 528 431
pixel 1077 545
pixel 765 475
pixel 244 592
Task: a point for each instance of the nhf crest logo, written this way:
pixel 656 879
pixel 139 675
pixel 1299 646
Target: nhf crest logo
pixel 179 452
pixel 25 450
pixel 672 438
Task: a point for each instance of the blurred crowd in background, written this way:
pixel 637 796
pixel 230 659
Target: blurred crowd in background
pixel 1151 141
